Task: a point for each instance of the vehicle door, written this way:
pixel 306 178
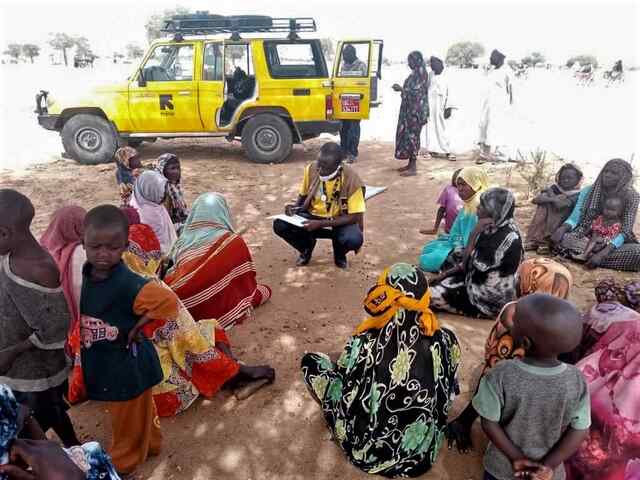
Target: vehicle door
pixel 356 72
pixel 211 85
pixel 163 95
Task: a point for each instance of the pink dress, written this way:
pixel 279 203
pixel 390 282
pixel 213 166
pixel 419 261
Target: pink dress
pixel 452 203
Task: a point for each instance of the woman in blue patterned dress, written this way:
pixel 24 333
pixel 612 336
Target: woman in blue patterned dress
pixel 414 113
pixel 387 397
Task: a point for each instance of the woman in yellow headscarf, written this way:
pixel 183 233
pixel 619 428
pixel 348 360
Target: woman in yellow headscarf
pixel 471 182
pixel 387 398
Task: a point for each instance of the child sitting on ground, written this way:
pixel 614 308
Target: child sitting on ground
pixel 168 165
pixel 450 204
pixel 34 320
pixel 128 167
pixel 604 228
pixel 535 411
pixel 120 365
pixel 554 205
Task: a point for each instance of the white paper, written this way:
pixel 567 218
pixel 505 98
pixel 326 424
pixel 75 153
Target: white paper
pixel 296 220
pixel 370 192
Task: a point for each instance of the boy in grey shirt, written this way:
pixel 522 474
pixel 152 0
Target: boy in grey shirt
pixel 535 411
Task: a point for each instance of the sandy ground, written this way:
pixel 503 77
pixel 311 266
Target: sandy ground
pixel 279 433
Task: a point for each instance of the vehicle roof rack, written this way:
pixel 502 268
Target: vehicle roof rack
pixel 204 23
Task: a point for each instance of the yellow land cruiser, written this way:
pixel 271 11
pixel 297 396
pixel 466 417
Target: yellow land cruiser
pixel 267 92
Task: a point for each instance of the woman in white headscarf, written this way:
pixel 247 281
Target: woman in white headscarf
pixel 148 196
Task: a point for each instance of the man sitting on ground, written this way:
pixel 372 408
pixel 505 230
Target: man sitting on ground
pixel 332 199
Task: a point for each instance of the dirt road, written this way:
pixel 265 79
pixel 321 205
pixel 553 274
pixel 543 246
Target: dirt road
pixel 279 432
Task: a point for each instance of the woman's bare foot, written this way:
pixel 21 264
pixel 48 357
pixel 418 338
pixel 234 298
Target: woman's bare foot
pixel 404 169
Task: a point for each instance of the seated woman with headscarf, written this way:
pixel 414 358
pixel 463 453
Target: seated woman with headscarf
pixel 535 275
pixel 149 193
pixel 623 251
pixel 486 278
pixel 471 182
pixel 387 397
pixel 213 272
pixel 168 165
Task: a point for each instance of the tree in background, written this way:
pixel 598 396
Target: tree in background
pixel 117 56
pixel 533 59
pixel 134 51
pixel 62 42
pixel 30 51
pixel 328 48
pixel 463 54
pixel 14 50
pixel 155 22
pixel 583 60
pixel 83 49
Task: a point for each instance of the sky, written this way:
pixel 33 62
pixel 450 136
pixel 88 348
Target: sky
pixel 608 29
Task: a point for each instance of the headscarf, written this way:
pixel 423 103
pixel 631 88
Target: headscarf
pixel 133 217
pixel 123 158
pixel 595 200
pixel 177 205
pixel 575 168
pixel 543 275
pixel 536 275
pixel 61 238
pixel 498 54
pixel 402 287
pixel 477 179
pixel 143 255
pixel 609 290
pixel 499 203
pixel 210 218
pixel 148 194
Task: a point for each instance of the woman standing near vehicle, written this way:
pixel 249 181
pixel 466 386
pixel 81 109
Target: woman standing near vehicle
pixel 414 113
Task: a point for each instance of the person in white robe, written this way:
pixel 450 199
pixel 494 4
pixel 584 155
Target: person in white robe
pixel 438 144
pixel 495 112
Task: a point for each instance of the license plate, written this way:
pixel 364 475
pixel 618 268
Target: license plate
pixel 350 103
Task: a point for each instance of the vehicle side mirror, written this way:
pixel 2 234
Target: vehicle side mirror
pixel 142 82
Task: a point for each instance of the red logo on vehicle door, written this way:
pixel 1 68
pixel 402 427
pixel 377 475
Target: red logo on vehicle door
pixel 350 103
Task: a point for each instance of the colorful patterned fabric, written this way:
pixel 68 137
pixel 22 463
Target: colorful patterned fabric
pixel 608 232
pixel 609 290
pixel 535 275
pixel 125 175
pixel 387 398
pixel 612 370
pixel 191 363
pixel 175 202
pixel 8 423
pixel 414 109
pixel 213 272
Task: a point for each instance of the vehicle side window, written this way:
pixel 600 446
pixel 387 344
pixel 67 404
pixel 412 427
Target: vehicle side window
pixel 169 63
pixel 213 64
pixel 354 60
pixel 295 59
pixel 238 56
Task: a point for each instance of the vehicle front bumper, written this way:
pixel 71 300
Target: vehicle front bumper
pixel 48 121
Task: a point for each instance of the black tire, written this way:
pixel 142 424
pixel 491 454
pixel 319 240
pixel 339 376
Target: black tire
pixel 267 138
pixel 89 139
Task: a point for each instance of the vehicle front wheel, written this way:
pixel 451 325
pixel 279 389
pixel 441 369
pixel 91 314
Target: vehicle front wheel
pixel 89 139
pixel 267 138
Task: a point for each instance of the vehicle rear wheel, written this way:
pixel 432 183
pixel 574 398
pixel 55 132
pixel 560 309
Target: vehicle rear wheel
pixel 267 138
pixel 89 139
